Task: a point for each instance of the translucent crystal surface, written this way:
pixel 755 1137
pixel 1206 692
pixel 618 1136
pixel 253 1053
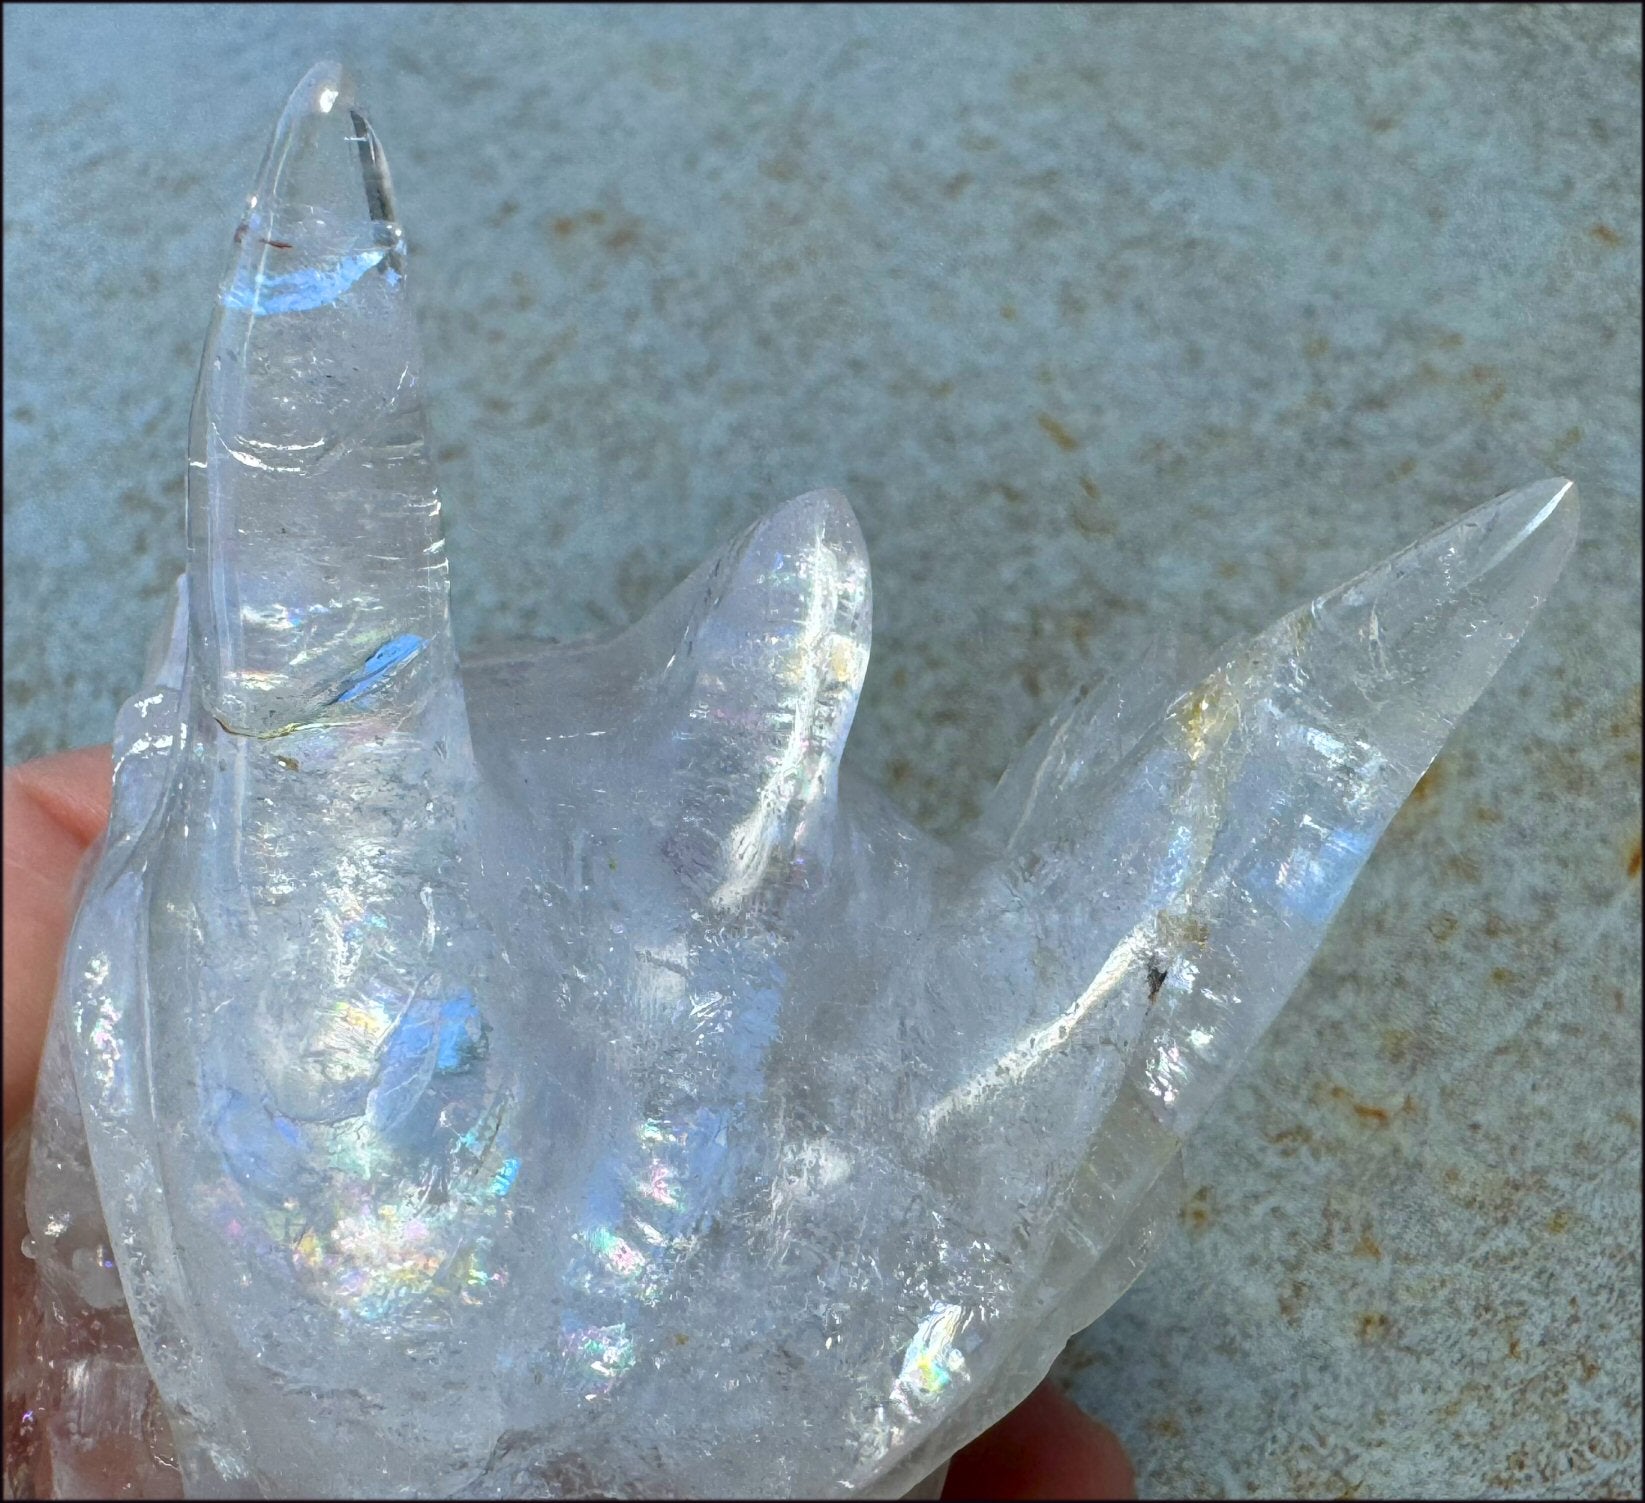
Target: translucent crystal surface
pixel 552 1076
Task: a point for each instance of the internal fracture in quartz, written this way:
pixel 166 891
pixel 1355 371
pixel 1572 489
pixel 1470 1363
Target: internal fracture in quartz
pixel 554 1075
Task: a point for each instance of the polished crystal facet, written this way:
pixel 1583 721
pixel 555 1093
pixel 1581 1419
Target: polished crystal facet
pixel 553 1076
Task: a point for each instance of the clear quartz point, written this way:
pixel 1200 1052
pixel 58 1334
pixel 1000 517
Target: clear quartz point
pixel 553 1078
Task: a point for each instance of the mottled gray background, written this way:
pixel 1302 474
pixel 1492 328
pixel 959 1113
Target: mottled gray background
pixel 1108 320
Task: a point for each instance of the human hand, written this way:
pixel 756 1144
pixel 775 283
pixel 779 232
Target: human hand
pixel 55 807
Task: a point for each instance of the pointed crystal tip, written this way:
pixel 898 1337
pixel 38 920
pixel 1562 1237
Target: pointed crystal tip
pixel 325 87
pixel 1545 511
pixel 1506 554
pixel 322 211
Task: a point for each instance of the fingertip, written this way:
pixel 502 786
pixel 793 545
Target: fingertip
pixel 1047 1447
pixel 72 789
pixel 54 808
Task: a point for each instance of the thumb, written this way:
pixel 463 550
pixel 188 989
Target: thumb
pixel 54 809
pixel 1047 1447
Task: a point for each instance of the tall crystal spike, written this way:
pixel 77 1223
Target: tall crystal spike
pixel 314 518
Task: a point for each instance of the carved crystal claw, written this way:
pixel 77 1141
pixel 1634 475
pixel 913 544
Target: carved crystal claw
pixel 551 1074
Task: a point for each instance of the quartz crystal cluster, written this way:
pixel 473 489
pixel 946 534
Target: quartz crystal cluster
pixel 553 1075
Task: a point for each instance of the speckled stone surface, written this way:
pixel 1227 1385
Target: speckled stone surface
pixel 1106 320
